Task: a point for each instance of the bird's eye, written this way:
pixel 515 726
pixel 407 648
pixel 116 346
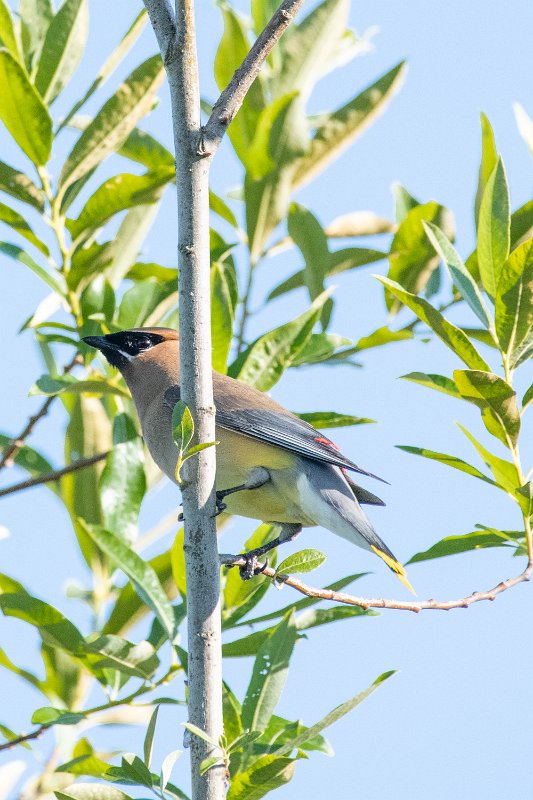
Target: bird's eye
pixel 136 343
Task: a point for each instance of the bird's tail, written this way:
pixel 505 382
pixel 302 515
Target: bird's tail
pixel 394 565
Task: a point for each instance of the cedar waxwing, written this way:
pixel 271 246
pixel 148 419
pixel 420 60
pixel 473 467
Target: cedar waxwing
pixel 271 465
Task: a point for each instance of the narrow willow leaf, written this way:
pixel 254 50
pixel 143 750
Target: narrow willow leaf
pixel 450 461
pixel 403 202
pixel 37 16
pixel 117 194
pixel 264 362
pixel 308 235
pixel 382 336
pixel 62 49
pixel 476 540
pixel 90 791
pixel 29 459
pixel 269 675
pixel 115 120
pixel 412 259
pixel 53 627
pixel 8 37
pixel 494 229
pixel 221 316
pixel 505 472
pixel 112 652
pixel 56 716
pixel 359 223
pixel 145 149
pixel 148 745
pixel 50 386
pixel 23 112
pixel 27 676
pixel 333 716
pixel 526 491
pixel 200 733
pixel 123 481
pixel 18 223
pixel 331 419
pixel 53 279
pixel 166 771
pixel 344 125
pixel 524 123
pixel 522 224
pixel 497 401
pixel 527 398
pixel 139 572
pixel 218 206
pixel 450 334
pixel 107 69
pixel 182 432
pixel 438 382
pixel 458 273
pixel 303 561
pixel 211 761
pixel 18 185
pixel 264 775
pixel 84 761
pixel 489 159
pixel 514 298
pixel 139 302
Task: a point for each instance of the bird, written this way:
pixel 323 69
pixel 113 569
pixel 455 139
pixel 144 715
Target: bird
pixel 271 465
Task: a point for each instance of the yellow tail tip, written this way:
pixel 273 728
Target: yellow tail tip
pixel 396 567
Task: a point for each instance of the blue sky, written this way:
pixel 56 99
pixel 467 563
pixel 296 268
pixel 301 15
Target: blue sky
pixel 455 721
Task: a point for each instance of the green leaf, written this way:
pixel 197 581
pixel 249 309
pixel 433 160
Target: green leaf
pixel 123 481
pixel 458 273
pixel 18 185
pixel 166 772
pixel 182 432
pixel 133 771
pixel 232 50
pixel 451 545
pixel 505 472
pixel 359 223
pixel 522 224
pixel 264 362
pixel 117 194
pixel 115 120
pixel 333 716
pixel 64 384
pixel 209 762
pixel 344 125
pixel 62 49
pixel 269 675
pixel 303 561
pixel 148 745
pixel 90 791
pixel 450 461
pixel 8 38
pixel 403 201
pixel 489 159
pixel 526 491
pixel 29 459
pixel 200 733
pixel 19 224
pixel 263 776
pixel 84 761
pixel 514 298
pixel 527 398
pixel 54 280
pixel 242 741
pixel 438 382
pixel 331 419
pixel 493 229
pixel 53 627
pixel 240 597
pixel 56 716
pixel 452 336
pixel 219 207
pixel 110 65
pixel 36 16
pixel 112 652
pixel 139 572
pixel 222 311
pixel 497 401
pixel 412 258
pixel 22 111
pixel 27 676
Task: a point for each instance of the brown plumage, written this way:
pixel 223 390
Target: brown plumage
pixel 298 473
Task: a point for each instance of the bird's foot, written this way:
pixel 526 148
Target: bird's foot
pixel 252 566
pixel 220 505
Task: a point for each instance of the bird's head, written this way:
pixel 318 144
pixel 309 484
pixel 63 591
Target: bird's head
pixel 128 350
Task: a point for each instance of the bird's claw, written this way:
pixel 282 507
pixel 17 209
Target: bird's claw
pixel 181 518
pixel 252 566
pixel 220 505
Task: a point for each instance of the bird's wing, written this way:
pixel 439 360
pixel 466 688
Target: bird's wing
pixel 279 428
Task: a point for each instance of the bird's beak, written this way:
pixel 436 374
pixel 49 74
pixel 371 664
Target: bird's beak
pixel 99 342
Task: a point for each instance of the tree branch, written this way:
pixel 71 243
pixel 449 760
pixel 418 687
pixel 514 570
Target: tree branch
pixel 48 477
pixel 400 605
pixel 233 95
pixel 12 449
pixel 24 737
pixel 163 21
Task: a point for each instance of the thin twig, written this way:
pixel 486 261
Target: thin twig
pixel 81 463
pixel 24 737
pixel 233 95
pixel 365 602
pixel 16 444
